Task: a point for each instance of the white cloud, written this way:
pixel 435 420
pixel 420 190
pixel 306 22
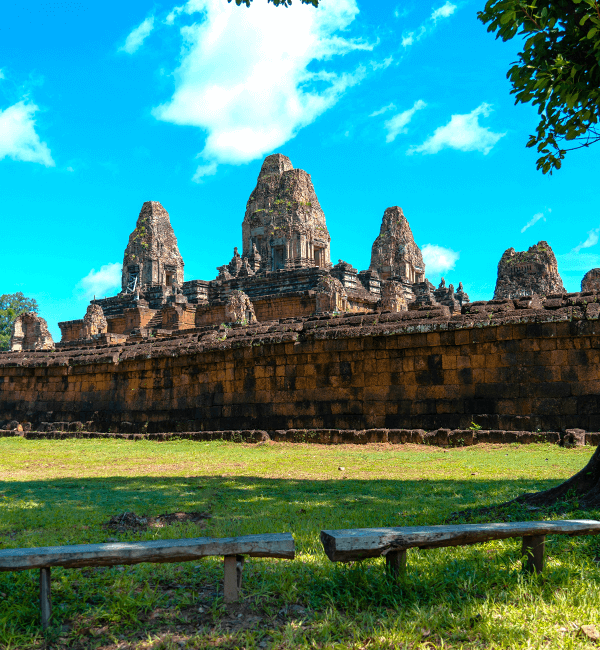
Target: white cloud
pixel 137 36
pixel 70 169
pixel 408 39
pixel 244 75
pixel 18 139
pixel 444 11
pixel 382 65
pixel 439 259
pixel 592 240
pixel 401 12
pixel 533 221
pixel 1 74
pixel 398 123
pixel 210 169
pixel 383 110
pixel 100 283
pixel 170 19
pixel 463 132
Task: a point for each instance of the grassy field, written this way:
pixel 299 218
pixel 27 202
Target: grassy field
pixel 63 492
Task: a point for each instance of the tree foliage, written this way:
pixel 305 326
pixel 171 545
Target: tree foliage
pixel 558 70
pixel 11 305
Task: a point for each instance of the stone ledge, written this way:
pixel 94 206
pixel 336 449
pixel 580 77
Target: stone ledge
pixel 324 327
pixel 438 438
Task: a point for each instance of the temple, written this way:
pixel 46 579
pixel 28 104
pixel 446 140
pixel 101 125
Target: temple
pixel 283 272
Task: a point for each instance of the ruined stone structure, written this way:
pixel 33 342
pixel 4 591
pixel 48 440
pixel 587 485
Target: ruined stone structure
pixel 523 273
pixel 152 258
pixel 507 365
pixel 395 255
pixel 591 281
pixel 392 297
pixel 283 340
pixel 239 309
pixel 94 322
pixel 30 332
pixel 284 226
pixel 283 271
pixel 331 295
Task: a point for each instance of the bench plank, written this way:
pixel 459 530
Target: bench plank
pixel 359 543
pixel 165 550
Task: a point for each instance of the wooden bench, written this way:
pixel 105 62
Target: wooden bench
pixel 392 543
pixel 233 549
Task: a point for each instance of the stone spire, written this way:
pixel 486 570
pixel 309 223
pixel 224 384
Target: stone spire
pixel 394 253
pixel 284 226
pixel 152 257
pixel 523 273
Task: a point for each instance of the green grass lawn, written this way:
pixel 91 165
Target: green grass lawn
pixel 62 492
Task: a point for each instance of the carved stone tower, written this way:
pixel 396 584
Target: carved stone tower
pixel 284 226
pixel 523 273
pixel 152 257
pixel 394 253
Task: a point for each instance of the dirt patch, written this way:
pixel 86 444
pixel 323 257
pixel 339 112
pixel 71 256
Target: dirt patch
pixel 128 521
pixel 198 625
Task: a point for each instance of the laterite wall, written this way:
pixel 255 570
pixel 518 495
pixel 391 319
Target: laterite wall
pixel 517 370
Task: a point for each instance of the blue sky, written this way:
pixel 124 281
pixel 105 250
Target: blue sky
pixel 106 105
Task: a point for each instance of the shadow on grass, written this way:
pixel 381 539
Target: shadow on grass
pixel 457 580
pixel 75 509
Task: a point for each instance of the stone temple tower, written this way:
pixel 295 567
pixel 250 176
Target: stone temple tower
pixel 394 253
pixel 523 273
pixel 152 257
pixel 284 226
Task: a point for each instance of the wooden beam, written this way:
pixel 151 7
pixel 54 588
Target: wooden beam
pixel 165 550
pixel 533 553
pixel 359 543
pixel 45 597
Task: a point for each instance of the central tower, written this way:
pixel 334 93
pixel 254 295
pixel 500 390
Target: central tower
pixel 284 222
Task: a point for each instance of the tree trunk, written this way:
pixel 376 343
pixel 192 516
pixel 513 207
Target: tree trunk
pixel 584 486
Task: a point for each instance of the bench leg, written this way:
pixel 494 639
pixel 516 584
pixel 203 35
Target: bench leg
pixel 395 563
pixel 45 597
pixel 533 552
pixel 234 565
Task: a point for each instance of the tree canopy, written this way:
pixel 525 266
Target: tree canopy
pixel 558 70
pixel 11 305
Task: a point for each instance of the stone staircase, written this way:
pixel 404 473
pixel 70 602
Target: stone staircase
pixel 155 322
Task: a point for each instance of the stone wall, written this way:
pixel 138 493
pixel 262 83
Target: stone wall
pixel 70 330
pixel 293 305
pixel 267 308
pixel 500 364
